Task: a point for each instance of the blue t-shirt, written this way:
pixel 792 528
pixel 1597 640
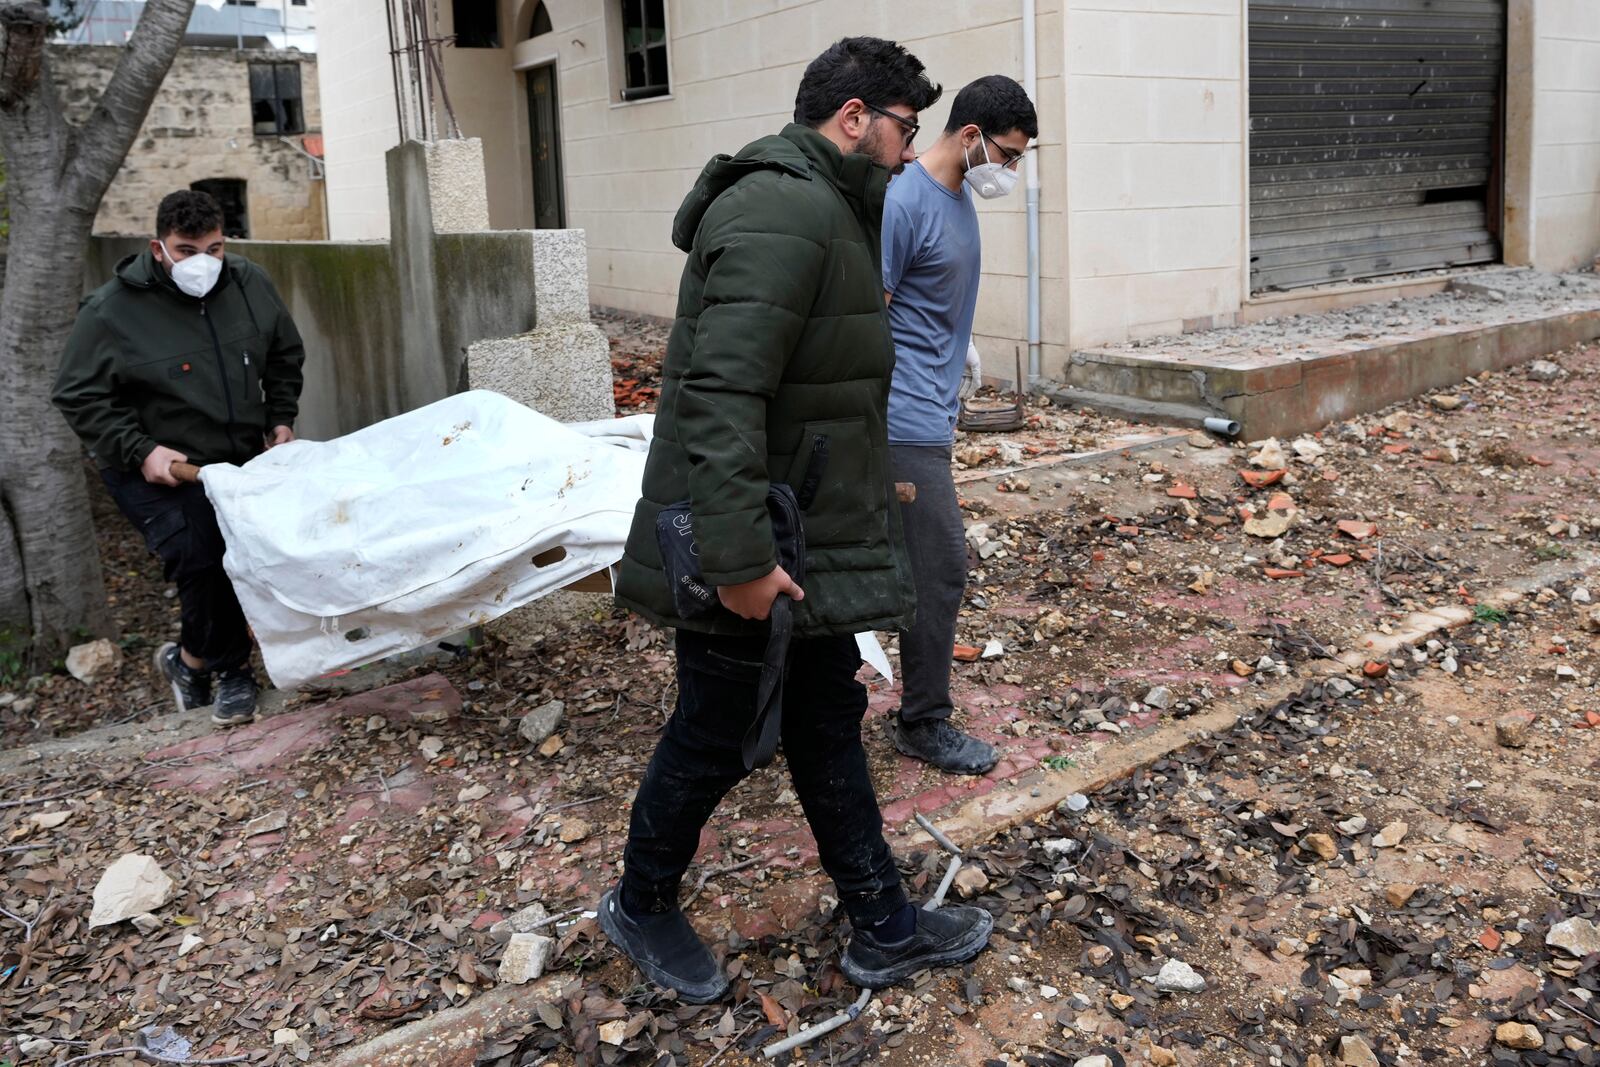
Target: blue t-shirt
pixel 931 263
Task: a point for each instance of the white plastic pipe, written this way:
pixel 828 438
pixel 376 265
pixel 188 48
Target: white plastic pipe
pixel 1030 84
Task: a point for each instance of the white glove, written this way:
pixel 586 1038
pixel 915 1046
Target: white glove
pixel 972 377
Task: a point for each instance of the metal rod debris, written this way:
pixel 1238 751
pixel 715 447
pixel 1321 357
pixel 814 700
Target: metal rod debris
pixel 938 835
pixel 944 886
pixel 811 1033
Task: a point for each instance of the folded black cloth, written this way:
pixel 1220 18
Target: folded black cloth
pixel 696 599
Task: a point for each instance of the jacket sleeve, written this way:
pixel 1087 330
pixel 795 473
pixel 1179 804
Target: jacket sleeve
pixel 762 275
pixel 283 377
pixel 86 394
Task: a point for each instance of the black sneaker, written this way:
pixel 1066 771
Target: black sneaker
pixel 943 937
pixel 935 741
pixel 665 948
pixel 236 698
pixel 191 689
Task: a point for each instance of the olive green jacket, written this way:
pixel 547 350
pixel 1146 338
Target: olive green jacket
pixel 781 337
pixel 147 364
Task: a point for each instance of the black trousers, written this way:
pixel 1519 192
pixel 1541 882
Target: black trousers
pixel 698 761
pixel 180 527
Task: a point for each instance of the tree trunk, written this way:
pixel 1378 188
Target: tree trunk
pixel 57 174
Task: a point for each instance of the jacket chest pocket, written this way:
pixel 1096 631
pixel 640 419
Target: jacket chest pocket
pixel 847 509
pixel 174 374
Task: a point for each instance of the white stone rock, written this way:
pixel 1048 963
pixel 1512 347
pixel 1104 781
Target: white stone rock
pixel 133 885
pixel 1097 1060
pixel 471 793
pixel 526 921
pixel 1355 1052
pixel 36 1048
pixel 146 924
pixel 1543 370
pixel 285 1036
pixel 1178 977
pixel 525 958
pixel 1057 847
pixel 541 722
pixel 1580 595
pixel 1576 937
pixel 1049 992
pixel 49 820
pixel 191 941
pixel 1307 448
pixel 1270 456
pixel 91 662
pixel 1160 697
pixel 994 649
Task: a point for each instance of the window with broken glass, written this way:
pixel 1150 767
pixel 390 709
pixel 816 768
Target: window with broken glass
pixel 275 103
pixel 644 49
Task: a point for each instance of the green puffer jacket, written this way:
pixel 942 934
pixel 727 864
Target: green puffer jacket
pixel 147 364
pixel 781 337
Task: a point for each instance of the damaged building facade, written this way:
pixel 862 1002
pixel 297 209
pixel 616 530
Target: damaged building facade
pixel 241 124
pixel 1201 163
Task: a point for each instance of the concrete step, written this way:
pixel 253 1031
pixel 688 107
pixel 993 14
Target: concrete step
pixel 1285 377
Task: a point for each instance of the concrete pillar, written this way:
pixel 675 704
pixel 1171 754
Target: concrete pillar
pixel 562 367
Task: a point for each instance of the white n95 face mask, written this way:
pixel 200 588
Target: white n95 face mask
pixel 195 275
pixel 990 180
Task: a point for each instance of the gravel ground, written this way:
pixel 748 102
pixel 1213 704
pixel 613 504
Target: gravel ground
pixel 342 868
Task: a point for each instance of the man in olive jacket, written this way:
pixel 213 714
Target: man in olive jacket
pixel 188 355
pixel 780 353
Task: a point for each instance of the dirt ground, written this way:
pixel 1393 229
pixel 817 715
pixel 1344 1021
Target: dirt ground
pixel 1361 870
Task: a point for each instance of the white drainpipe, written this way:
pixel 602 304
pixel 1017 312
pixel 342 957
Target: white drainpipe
pixel 1030 83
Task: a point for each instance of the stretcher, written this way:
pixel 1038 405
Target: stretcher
pixel 388 539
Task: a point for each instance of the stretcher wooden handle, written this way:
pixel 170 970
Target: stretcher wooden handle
pixel 184 472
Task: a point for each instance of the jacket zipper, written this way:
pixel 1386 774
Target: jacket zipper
pixel 222 366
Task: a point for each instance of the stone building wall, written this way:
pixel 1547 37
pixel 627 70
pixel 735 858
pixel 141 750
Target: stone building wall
pixel 199 128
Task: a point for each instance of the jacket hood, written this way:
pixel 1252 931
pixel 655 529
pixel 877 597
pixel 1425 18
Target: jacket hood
pixel 141 271
pixel 799 151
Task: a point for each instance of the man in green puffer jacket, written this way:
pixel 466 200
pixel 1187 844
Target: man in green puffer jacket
pixel 187 355
pixel 780 353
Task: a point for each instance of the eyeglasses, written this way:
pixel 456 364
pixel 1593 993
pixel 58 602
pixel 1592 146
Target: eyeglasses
pixel 1013 159
pixel 909 126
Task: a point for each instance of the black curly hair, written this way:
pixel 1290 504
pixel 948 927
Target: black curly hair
pixel 188 213
pixel 869 69
pixel 996 105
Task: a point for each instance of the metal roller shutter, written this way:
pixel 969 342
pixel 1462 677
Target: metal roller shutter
pixel 1374 138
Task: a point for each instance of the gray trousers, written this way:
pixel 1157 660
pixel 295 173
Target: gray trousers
pixel 936 542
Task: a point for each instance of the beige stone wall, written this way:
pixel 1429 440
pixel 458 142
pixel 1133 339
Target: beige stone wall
pixel 358 116
pixel 199 127
pixel 1155 171
pixel 1566 117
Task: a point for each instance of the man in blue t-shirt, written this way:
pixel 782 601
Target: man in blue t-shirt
pixel 931 264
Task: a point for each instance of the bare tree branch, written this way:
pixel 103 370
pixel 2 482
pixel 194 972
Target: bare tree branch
pixel 104 141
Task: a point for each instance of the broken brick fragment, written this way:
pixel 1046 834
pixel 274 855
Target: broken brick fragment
pixel 1261 479
pixel 967 653
pixel 1182 491
pixel 1280 573
pixel 1373 669
pixel 1356 530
